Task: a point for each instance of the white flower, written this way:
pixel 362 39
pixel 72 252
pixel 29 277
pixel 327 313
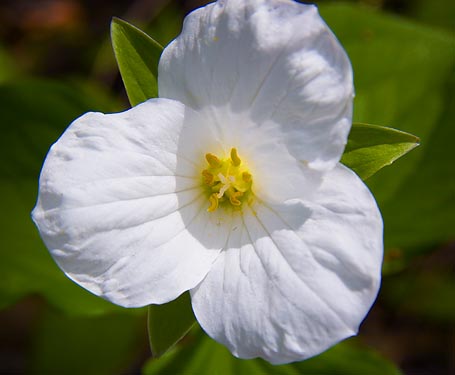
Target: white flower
pixel 231 187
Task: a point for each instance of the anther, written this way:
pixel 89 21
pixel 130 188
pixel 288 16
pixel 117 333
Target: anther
pixel 213 160
pixel 208 177
pixel 246 177
pixel 213 200
pixel 235 157
pixel 233 198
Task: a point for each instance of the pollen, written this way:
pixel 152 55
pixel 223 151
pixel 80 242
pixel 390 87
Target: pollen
pixel 228 181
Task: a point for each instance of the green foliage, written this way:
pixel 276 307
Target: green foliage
pixel 428 295
pixel 372 147
pixel 439 13
pixel 403 78
pixel 167 25
pixel 89 346
pixel 201 355
pixel 137 56
pixel 34 114
pixel 7 68
pixel 168 323
pixel 348 358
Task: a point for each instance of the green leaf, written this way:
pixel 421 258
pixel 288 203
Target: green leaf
pixel 372 147
pixel 348 358
pixel 168 323
pixel 201 355
pixel 438 14
pixel 427 295
pixel 404 78
pixel 137 56
pixel 8 67
pixel 34 114
pixel 89 346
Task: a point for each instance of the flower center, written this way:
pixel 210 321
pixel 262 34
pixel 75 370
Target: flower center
pixel 228 181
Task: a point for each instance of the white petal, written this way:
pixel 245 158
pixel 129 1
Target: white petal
pixel 121 209
pixel 295 279
pixel 274 60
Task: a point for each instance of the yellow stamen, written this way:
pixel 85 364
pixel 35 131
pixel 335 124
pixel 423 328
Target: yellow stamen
pixel 228 181
pixel 235 157
pixel 208 177
pixel 213 199
pixel 246 176
pixel 233 198
pixel 213 160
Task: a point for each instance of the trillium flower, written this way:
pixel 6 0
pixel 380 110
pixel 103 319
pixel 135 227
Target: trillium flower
pixel 229 185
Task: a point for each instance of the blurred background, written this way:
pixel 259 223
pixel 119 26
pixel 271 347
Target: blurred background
pixel 56 62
